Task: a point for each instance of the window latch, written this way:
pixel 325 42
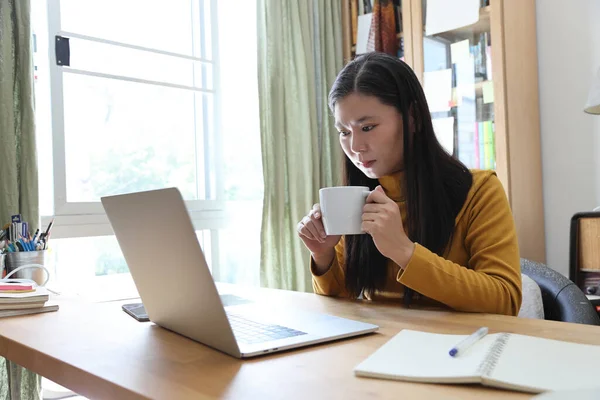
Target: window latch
pixel 62 50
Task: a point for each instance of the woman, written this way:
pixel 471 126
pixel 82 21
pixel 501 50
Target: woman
pixel 436 232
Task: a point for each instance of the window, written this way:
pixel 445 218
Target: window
pixel 141 105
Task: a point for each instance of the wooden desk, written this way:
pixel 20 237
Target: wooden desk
pixel 100 352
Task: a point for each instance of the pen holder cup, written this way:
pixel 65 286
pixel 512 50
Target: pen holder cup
pixel 29 265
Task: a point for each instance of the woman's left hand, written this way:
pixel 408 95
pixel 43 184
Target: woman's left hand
pixel 382 220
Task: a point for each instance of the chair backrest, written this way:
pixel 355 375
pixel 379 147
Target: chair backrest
pixel 563 300
pixel 532 305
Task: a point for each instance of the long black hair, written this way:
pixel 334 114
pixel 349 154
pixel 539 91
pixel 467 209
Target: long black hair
pixel 435 183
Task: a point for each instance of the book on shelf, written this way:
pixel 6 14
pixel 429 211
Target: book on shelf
pixel 476 146
pixel 465 116
pixel 489 145
pixel 481 145
pixel 480 56
pixel 488 62
pixel 500 360
pixel 398 15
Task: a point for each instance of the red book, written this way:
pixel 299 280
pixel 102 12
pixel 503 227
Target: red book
pixel 15 287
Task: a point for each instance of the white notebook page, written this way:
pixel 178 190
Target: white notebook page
pixel 422 356
pixel 537 364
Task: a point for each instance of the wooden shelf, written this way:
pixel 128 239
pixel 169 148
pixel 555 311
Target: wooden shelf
pixel 465 32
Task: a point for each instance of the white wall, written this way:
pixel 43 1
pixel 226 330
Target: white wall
pixel 568 42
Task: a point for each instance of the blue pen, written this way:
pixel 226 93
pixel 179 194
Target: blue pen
pixel 467 342
pixel 19 246
pixel 24 244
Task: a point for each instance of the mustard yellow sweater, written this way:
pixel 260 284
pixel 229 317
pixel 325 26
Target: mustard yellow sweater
pixel 480 270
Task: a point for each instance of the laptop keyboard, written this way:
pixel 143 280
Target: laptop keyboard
pixel 250 332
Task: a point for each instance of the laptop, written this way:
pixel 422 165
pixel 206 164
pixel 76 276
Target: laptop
pixel 178 291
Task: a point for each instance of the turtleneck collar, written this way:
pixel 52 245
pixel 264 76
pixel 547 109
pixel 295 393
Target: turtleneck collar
pixel 392 185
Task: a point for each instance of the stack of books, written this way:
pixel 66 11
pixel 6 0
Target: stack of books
pixel 18 298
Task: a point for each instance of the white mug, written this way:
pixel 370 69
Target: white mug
pixel 342 209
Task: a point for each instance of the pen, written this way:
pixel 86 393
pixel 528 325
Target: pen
pixel 19 246
pixel 467 342
pixel 48 229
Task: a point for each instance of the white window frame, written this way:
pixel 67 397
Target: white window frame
pixel 80 219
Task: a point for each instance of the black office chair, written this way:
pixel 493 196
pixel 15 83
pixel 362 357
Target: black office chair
pixel 563 300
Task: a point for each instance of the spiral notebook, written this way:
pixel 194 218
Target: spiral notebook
pixel 500 360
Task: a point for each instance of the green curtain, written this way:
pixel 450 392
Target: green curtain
pixel 18 162
pixel 299 55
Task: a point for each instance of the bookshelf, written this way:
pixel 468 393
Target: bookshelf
pixel 495 84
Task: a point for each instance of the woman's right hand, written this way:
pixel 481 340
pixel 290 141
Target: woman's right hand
pixel 312 233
